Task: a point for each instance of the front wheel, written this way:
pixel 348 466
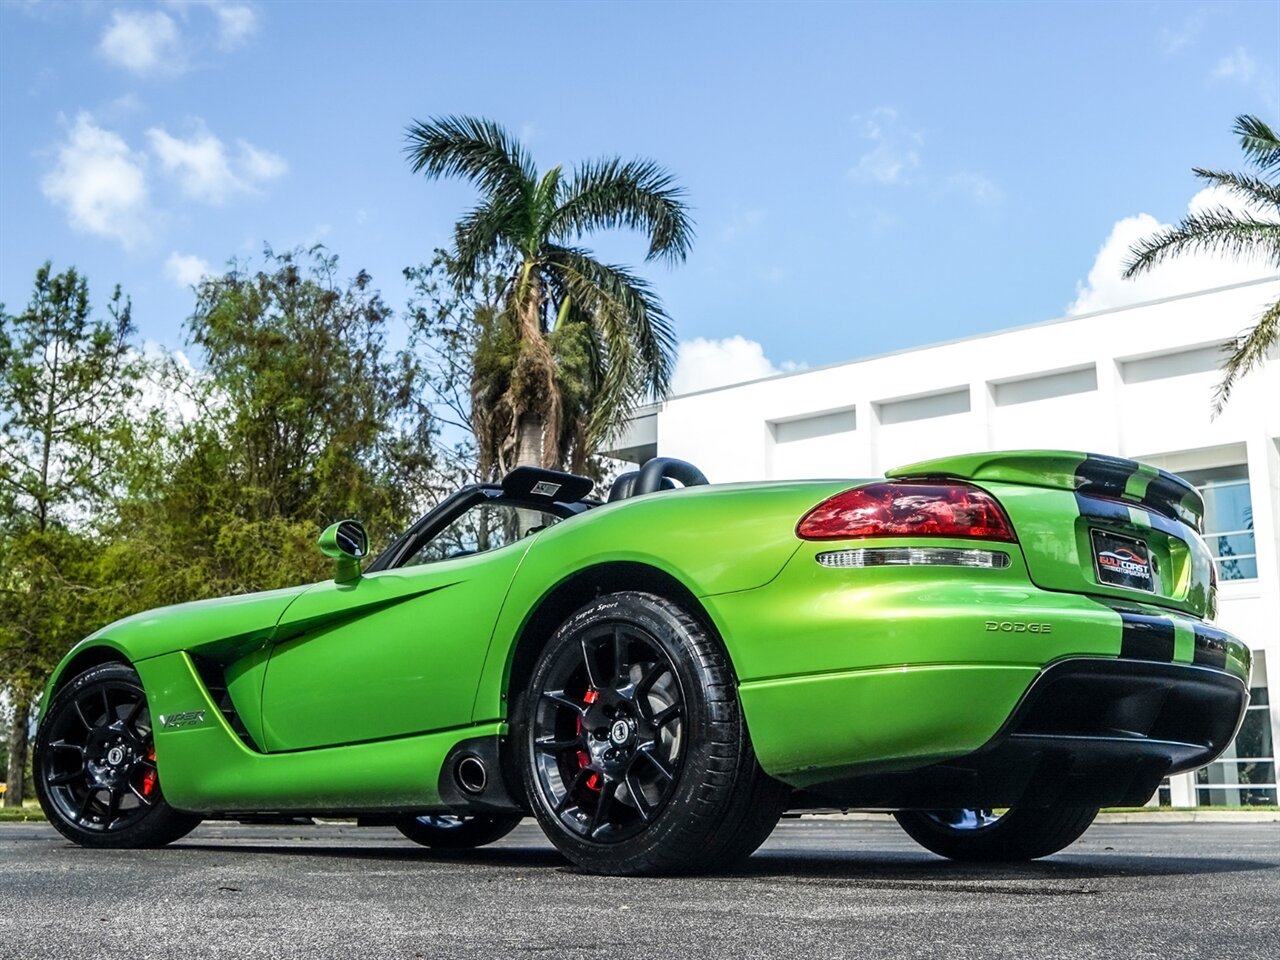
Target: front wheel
pixel 632 746
pixel 95 764
pixel 446 831
pixel 1019 833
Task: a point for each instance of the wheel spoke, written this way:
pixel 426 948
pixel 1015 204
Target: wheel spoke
pixel 666 715
pixel 566 801
pixel 113 808
pixel 555 745
pixel 62 779
pixel 642 804
pixel 139 794
pixel 106 707
pixel 595 676
pixel 83 719
pixel 83 809
pixel 658 763
pixel 561 699
pixel 64 745
pixel 603 803
pixel 651 676
pixel 621 669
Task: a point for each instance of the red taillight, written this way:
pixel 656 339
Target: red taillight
pixel 908 509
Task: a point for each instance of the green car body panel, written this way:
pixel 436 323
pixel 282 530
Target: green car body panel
pixel 351 696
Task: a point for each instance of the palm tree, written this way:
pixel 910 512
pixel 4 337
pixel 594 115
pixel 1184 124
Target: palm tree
pixel 572 343
pixel 1255 232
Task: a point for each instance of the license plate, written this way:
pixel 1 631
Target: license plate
pixel 1122 561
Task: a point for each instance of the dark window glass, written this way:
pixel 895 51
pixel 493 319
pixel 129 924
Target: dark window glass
pixel 486 526
pixel 1228 519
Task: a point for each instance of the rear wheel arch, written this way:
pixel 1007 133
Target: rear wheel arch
pixel 579 589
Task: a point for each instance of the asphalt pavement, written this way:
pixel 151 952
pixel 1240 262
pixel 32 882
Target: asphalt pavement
pixel 818 888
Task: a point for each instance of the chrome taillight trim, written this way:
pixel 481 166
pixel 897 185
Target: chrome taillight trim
pixel 915 556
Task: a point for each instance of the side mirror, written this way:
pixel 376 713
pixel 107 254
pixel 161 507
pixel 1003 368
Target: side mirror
pixel 346 542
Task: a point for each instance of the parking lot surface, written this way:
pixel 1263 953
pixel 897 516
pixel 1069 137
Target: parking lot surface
pixel 818 888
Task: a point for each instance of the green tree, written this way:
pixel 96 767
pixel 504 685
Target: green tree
pixel 569 343
pixel 1252 233
pixel 298 415
pixel 66 380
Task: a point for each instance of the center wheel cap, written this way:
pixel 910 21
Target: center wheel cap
pixel 115 756
pixel 619 733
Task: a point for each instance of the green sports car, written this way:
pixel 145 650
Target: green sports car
pixel 989 646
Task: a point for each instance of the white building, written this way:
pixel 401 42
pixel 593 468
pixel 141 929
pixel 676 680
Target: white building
pixel 1135 382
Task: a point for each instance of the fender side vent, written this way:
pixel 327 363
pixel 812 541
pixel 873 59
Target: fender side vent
pixel 214 679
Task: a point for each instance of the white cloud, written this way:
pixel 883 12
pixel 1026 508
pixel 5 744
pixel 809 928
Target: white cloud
pixel 895 152
pixel 205 169
pixel 1172 39
pixel 741 223
pixel 1237 65
pixel 1105 288
pixel 236 24
pixel 186 269
pixel 100 183
pixel 702 364
pixel 981 190
pixel 144 43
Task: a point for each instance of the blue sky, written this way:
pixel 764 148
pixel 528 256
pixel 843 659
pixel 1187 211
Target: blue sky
pixel 865 177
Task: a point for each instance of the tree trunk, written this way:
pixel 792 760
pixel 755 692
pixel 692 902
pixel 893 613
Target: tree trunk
pixel 529 449
pixel 15 790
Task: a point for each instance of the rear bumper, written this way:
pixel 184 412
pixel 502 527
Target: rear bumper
pixel 869 672
pixel 1087 732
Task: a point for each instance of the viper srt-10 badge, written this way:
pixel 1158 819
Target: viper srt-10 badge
pixel 187 718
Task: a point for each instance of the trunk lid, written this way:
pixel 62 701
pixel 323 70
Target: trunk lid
pixel 1090 523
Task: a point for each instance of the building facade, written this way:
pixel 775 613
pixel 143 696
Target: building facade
pixel 1135 382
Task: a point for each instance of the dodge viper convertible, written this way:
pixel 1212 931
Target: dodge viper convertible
pixel 990 647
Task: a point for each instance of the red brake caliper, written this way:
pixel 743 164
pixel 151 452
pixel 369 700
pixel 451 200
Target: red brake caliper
pixel 584 758
pixel 149 778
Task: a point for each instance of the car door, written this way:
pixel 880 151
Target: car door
pixel 399 651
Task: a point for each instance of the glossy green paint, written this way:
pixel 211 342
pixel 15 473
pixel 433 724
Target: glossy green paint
pixel 205 767
pixel 353 693
pixel 393 653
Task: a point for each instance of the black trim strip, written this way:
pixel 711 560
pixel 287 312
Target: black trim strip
pixel 1145 637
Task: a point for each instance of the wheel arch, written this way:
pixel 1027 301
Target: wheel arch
pixel 78 661
pixel 578 589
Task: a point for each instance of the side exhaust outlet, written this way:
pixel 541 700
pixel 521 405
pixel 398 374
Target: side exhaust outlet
pixel 471 775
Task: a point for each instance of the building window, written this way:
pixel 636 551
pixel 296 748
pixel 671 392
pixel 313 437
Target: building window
pixel 1228 519
pixel 1245 776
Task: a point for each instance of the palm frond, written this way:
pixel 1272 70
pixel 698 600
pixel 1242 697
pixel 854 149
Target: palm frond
pixel 637 194
pixel 1259 142
pixel 1246 352
pixel 626 309
pixel 473 148
pixel 1253 190
pixel 1220 230
pixel 479 237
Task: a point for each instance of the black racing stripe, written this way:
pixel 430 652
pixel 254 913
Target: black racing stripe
pixel 1102 476
pixel 1211 647
pixel 1114 511
pixel 1144 637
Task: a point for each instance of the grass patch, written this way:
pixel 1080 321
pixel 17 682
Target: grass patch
pixel 26 812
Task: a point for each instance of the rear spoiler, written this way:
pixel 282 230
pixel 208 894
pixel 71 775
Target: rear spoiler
pixel 1092 474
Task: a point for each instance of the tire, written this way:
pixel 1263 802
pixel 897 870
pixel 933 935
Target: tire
pixel 632 747
pixel 1021 833
pixel 450 832
pixel 94 764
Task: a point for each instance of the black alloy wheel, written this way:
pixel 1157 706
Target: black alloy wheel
pixel 633 749
pixel 456 831
pixel 985 835
pixel 95 764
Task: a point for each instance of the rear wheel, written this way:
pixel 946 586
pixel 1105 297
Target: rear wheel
pixel 633 750
pixel 1019 833
pixel 458 831
pixel 95 764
